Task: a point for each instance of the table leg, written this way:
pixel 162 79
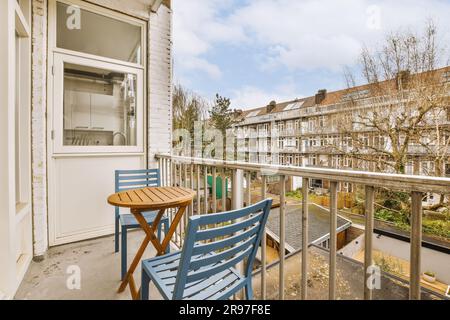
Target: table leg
pixel 150 237
pixel 133 265
pixel 172 230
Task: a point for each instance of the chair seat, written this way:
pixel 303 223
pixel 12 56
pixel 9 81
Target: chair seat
pixel 129 221
pixel 163 271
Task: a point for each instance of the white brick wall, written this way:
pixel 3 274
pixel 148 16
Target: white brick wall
pixel 159 97
pixel 160 83
pixel 38 126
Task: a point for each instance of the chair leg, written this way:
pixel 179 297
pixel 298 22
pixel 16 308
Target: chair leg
pixel 249 291
pixel 116 235
pixel 145 286
pixel 123 253
pixel 166 231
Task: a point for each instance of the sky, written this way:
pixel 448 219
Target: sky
pixel 256 51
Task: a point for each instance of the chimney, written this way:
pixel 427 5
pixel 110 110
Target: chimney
pixel 238 112
pixel 320 96
pixel 271 106
pixel 403 79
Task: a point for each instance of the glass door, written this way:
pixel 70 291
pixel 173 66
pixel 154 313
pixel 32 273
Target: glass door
pixel 98 106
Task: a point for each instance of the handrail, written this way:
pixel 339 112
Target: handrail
pixel 383 180
pixel 174 168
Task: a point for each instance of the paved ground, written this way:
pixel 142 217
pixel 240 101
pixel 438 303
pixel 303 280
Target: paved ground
pixel 99 266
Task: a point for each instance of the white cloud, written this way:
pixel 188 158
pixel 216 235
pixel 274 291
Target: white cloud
pixel 304 35
pixel 250 97
pixel 329 34
pixel 198 26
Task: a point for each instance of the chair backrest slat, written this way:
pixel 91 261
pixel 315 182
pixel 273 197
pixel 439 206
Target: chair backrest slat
pixel 217 245
pixel 230 229
pixel 129 179
pixel 217 242
pixel 217 257
pixel 207 272
pixel 134 179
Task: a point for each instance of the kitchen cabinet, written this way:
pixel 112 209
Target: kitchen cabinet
pixel 103 114
pixel 77 110
pixel 91 111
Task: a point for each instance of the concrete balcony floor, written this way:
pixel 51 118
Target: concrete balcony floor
pixel 100 271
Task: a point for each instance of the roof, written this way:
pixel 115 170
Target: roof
pixel 331 98
pixel 318 223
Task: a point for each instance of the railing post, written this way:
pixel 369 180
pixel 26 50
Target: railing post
pixel 163 172
pixel 368 254
pixel 224 190
pixel 305 238
pixel 205 191
pixel 238 203
pixel 282 235
pixel 191 175
pixel 167 172
pixel 264 244
pixel 198 191
pixel 333 238
pixel 237 194
pixel 416 244
pixel 249 191
pixel 214 190
pixel 160 162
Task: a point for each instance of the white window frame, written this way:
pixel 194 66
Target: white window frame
pixel 52 23
pixel 58 125
pixel 56 92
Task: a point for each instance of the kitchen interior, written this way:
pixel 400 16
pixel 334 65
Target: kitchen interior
pixel 99 107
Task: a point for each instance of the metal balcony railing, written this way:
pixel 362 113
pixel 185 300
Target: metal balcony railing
pixel 194 172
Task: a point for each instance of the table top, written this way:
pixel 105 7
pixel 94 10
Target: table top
pixel 152 198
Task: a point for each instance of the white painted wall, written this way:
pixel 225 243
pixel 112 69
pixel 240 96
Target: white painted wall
pixel 432 260
pixel 15 221
pixel 160 84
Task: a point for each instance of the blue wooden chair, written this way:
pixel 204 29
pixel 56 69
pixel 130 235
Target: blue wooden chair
pixel 128 180
pixel 214 244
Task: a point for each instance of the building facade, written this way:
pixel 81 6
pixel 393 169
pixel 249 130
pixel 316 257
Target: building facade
pixel 85 89
pixel 307 132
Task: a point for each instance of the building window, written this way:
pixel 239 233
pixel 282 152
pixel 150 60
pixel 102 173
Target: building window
pixel 321 121
pixel 315 183
pixel 427 168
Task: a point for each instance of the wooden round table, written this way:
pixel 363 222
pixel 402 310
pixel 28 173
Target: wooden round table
pixel 151 199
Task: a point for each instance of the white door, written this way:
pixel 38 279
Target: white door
pixel 96 114
pixel 85 154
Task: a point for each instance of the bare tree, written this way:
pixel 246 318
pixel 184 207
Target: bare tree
pixel 188 108
pixel 402 105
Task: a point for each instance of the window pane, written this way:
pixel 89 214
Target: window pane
pixel 88 32
pixel 99 107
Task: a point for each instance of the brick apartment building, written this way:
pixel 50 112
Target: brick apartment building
pixel 304 132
